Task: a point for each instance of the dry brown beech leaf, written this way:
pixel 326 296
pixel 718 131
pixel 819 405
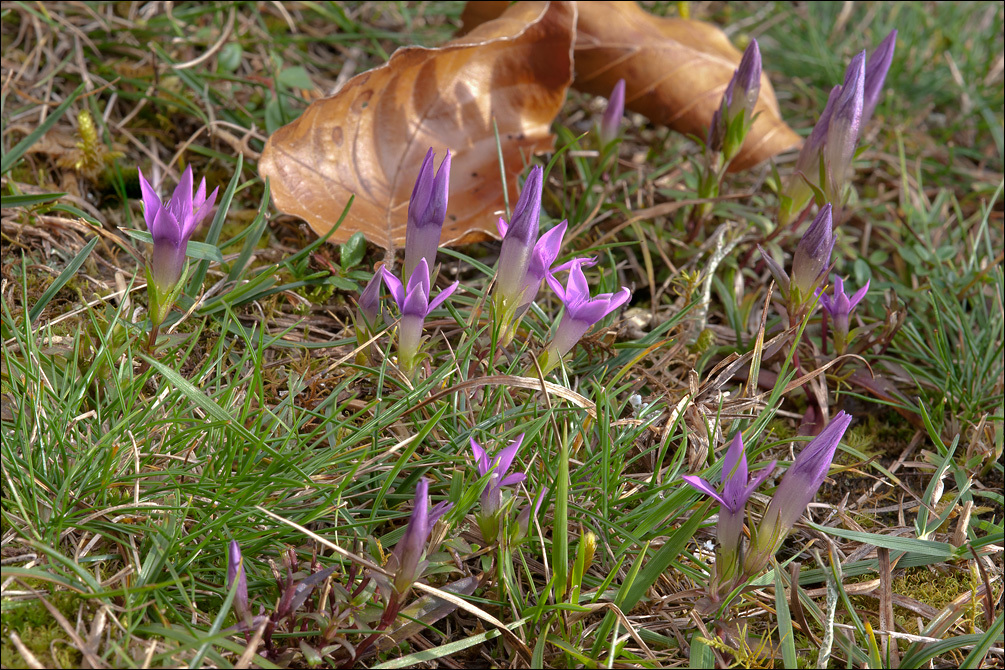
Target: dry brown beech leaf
pixel 675 70
pixel 369 138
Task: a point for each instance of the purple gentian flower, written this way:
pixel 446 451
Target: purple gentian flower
pixel 519 237
pixel 839 308
pixel 406 560
pixel 427 209
pixel 876 68
pixel 581 311
pixel 844 127
pixel 415 306
pixel 548 246
pixel 498 466
pixel 235 572
pixel 611 119
pixel 795 492
pixel 171 224
pixel 491 502
pixel 736 490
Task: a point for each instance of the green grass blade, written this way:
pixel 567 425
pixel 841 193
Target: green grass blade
pixel 785 634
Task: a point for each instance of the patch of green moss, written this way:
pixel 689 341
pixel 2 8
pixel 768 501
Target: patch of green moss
pixel 936 588
pixel 37 630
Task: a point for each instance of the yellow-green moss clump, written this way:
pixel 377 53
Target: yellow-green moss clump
pixel 37 630
pixel 936 588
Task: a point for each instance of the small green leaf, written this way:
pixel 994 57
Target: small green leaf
pixel 295 77
pixel 230 57
pixel 352 250
pixel 273 116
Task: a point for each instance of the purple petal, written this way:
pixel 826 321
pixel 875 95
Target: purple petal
pixel 481 458
pixel 205 208
pixel 410 547
pixel 546 251
pixel 527 212
pixel 420 277
pixel 876 68
pixel 422 191
pixel 441 191
pixel 578 289
pixel 612 115
pixel 859 294
pixel 505 458
pixel 747 83
pixel 582 262
pixel 801 481
pixel 200 195
pixel 444 294
pixel 809 157
pixel 758 480
pixel 511 480
pixel 151 202
pixel 417 297
pixel 734 473
pixel 703 486
pixel 180 203
pixel 556 286
pixel 394 286
pixel 438 510
pixel 502 227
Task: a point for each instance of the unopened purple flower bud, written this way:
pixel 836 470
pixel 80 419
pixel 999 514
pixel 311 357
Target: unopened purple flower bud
pixel 172 224
pixel 813 255
pixel 747 80
pixel 795 492
pixel 797 192
pixel 369 301
pixel 732 118
pixel 839 309
pixel 611 120
pixel 876 68
pixel 407 564
pixel 519 238
pixel 235 572
pixel 844 127
pixel 427 209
